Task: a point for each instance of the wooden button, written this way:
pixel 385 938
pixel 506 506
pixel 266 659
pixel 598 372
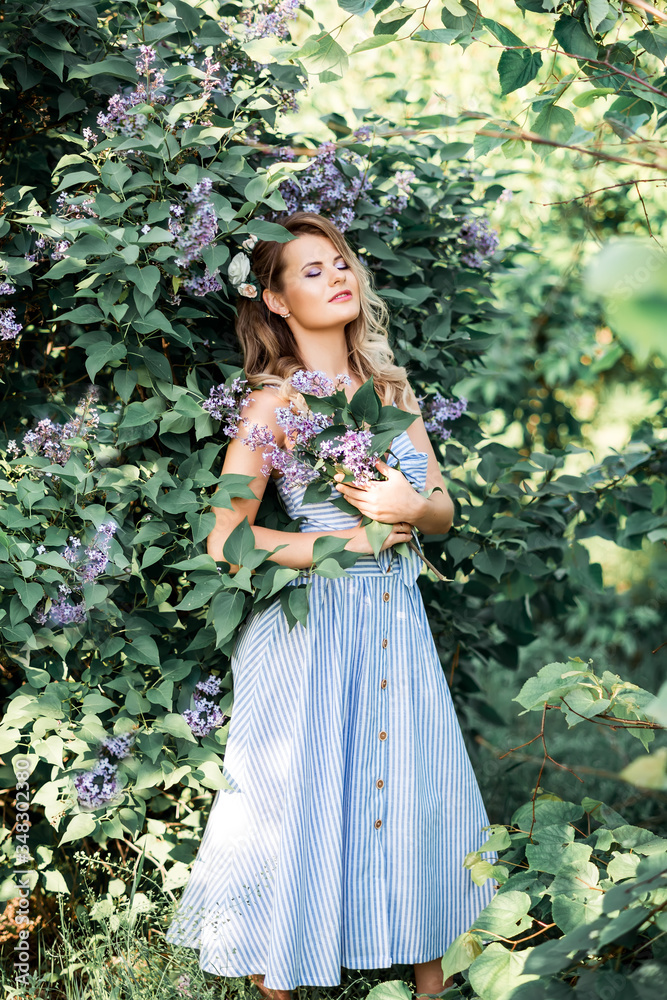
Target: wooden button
pixel 380 783
pixel 383 682
pixel 385 643
pixel 385 596
pixel 383 735
pixel 378 824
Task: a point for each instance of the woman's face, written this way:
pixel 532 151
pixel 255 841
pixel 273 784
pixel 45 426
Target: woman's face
pixel 319 289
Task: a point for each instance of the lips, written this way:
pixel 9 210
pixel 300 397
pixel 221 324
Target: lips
pixel 341 297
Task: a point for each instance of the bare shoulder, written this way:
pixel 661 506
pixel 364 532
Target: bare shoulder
pixel 260 408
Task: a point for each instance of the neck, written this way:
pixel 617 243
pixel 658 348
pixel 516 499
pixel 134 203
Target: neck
pixel 324 351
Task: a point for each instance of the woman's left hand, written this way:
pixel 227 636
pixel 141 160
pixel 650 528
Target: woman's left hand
pixel 387 500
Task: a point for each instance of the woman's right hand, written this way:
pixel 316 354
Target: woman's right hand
pixel 401 532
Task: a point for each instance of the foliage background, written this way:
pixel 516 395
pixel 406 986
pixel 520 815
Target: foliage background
pixel 558 470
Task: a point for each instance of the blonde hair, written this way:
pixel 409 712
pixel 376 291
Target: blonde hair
pixel 270 353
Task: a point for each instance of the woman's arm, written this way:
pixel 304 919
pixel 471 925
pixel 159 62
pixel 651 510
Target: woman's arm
pixel 242 460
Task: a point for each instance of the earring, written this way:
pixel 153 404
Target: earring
pixel 286 315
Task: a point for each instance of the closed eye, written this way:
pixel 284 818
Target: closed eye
pixel 341 267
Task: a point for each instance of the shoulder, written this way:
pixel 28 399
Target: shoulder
pixel 260 408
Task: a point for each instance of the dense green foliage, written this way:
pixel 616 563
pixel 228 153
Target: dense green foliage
pixel 105 287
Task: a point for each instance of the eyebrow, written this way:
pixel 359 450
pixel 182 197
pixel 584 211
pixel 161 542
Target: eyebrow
pixel 338 256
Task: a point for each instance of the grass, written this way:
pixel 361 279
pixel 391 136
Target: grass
pixel 112 947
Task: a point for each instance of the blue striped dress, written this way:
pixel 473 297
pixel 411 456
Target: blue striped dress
pixel 352 801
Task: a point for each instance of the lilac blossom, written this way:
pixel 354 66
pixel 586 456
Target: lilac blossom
pixel 352 450
pixel 438 410
pixel 317 383
pixel 99 786
pixel 211 686
pixel 74 208
pixel 324 189
pixel 403 180
pixel 89 135
pixel 96 555
pixel 258 436
pixel 363 133
pixel 50 439
pixel 117 747
pixel 6 288
pixel 9 325
pixel 270 18
pixel 62 612
pixel 208 282
pixel 301 426
pixel 201 227
pixel 481 240
pixel 119 120
pixel 225 402
pixel 295 473
pixel 59 251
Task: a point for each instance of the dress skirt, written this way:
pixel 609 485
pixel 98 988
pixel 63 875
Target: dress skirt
pixel 352 801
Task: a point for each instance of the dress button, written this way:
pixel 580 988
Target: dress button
pixel 378 824
pixel 385 643
pixel 385 596
pixel 380 783
pixel 383 735
pixel 383 682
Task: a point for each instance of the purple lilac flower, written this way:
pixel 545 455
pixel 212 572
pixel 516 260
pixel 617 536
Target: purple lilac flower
pixel 50 439
pixel 270 18
pixel 296 473
pixel 323 188
pixel 6 288
pixel 9 326
pixel 225 402
pixel 59 250
pixel 258 436
pixel 118 119
pixel 482 241
pixel 89 135
pixel 62 612
pixel 363 133
pixel 301 426
pixel 74 208
pixel 352 450
pixel 211 686
pixel 437 410
pixel 317 383
pixel 204 717
pixel 117 747
pixel 96 555
pixel 201 228
pixel 97 787
pixel 208 282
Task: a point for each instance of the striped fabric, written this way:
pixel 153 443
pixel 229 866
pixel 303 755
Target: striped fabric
pixel 352 800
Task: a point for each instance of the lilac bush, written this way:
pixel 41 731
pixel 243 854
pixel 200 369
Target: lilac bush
pixel 98 786
pixel 87 565
pixel 50 439
pixel 9 326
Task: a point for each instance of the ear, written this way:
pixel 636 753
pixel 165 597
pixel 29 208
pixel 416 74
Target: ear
pixel 274 302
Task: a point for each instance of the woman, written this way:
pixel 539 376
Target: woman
pixel 352 801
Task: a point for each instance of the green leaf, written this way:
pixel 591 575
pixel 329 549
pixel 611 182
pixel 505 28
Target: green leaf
pixel 498 971
pixel 238 543
pixel 375 41
pixel 573 37
pixel 115 175
pixel 554 123
pixel 125 382
pixel 359 7
pixel 492 562
pixel 145 278
pixel 225 612
pixel 506 915
pixel 365 404
pixel 81 825
pixel 462 951
pixel 516 68
pixel 377 533
pixel 100 355
pixel 143 649
pixel 392 989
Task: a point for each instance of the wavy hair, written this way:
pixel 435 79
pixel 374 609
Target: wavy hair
pixel 270 352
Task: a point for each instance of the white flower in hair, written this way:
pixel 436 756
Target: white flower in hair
pixel 250 243
pixel 239 269
pixel 248 290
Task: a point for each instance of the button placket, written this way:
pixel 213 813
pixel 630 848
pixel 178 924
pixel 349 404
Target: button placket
pixel 382 734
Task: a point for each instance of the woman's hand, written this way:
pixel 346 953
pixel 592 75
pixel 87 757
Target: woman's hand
pixel 401 532
pixel 389 501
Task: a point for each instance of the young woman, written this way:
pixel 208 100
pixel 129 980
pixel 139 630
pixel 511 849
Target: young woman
pixel 352 802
